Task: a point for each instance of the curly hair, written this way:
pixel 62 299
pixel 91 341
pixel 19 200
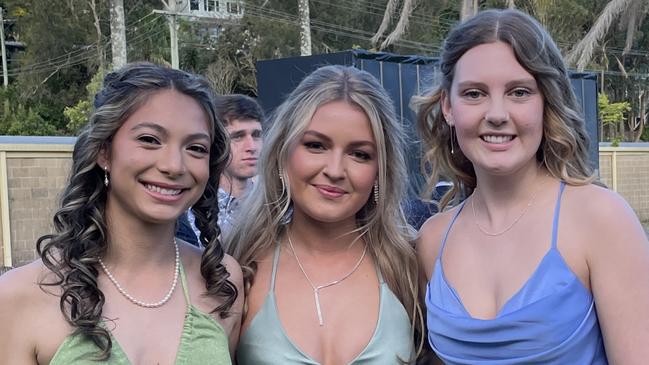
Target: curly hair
pixel 383 224
pixel 80 237
pixel 564 146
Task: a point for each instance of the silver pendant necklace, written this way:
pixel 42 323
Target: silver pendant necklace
pixel 138 302
pixel 316 289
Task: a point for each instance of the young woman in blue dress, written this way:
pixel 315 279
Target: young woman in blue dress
pixel 538 265
pixel 323 242
pixel 112 284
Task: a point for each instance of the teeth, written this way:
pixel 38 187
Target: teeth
pixel 163 191
pixel 497 139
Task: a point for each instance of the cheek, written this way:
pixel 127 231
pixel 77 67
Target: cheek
pixel 201 171
pixel 299 165
pixel 364 177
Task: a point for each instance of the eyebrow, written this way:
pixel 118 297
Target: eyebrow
pixel 158 128
pixel 530 82
pixel 354 143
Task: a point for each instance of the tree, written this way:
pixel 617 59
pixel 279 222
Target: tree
pixel 612 114
pixel 630 14
pixel 400 28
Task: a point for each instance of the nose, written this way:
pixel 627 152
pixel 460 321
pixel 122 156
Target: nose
pixel 497 113
pixel 172 162
pixel 251 144
pixel 334 168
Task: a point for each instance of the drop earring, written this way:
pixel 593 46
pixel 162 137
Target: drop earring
pixel 376 192
pixel 106 182
pixel 452 144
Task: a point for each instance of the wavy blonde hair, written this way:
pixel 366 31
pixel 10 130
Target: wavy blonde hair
pixel 564 146
pixel 382 224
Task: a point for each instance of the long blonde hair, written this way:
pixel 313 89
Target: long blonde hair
pixel 383 225
pixel 564 146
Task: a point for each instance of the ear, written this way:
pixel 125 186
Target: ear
pixel 103 158
pixel 446 108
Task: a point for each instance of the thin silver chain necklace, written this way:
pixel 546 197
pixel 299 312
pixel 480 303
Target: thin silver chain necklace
pixel 138 302
pixel 507 228
pixel 316 289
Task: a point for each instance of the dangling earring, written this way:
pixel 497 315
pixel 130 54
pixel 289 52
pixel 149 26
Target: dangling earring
pixel 106 182
pixel 452 144
pixel 376 192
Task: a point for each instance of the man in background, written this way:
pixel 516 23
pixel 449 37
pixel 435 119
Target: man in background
pixel 242 117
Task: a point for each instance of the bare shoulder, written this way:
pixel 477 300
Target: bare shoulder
pixel 22 284
pixel 430 238
pixel 27 311
pixel 602 213
pixel 617 253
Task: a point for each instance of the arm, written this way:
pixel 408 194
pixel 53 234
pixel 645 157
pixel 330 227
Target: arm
pixel 15 345
pixel 234 321
pixel 618 261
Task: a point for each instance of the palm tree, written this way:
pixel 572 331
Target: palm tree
pixel 629 13
pixel 402 24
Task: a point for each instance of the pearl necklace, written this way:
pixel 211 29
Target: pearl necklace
pixel 139 302
pixel 316 289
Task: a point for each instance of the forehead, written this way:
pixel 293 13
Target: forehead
pixel 171 110
pixel 342 120
pixel 243 124
pixel 490 62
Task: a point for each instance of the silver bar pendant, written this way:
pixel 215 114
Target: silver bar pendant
pixel 317 306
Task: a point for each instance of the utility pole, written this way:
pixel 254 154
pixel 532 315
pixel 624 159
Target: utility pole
pixel 173 35
pixel 5 76
pixel 305 27
pixel 118 33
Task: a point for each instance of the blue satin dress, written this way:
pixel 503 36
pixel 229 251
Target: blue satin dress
pixel 551 320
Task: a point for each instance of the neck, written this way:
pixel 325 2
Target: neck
pixel 500 200
pixel 132 244
pixel 322 238
pixel 233 185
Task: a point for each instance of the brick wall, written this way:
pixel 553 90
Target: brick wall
pixel 630 177
pixel 34 186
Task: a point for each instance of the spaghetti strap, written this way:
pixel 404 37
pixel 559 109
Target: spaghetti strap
pixel 183 281
pixel 555 219
pixel 448 229
pixel 275 262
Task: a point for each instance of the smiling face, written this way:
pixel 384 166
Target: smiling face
pixel 333 166
pixel 496 108
pixel 158 160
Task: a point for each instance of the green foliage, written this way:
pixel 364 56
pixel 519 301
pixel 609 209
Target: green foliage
pixel 611 113
pixel 27 122
pixel 77 115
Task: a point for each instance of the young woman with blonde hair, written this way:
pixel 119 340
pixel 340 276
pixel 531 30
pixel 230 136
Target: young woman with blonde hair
pixel 323 242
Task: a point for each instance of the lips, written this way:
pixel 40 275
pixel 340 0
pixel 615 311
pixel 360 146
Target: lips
pixel 497 139
pixel 330 191
pixel 162 190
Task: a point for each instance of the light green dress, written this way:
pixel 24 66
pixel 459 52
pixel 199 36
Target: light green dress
pixel 203 341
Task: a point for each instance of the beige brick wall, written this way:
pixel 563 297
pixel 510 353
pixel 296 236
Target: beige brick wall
pixel 34 187
pixel 631 177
